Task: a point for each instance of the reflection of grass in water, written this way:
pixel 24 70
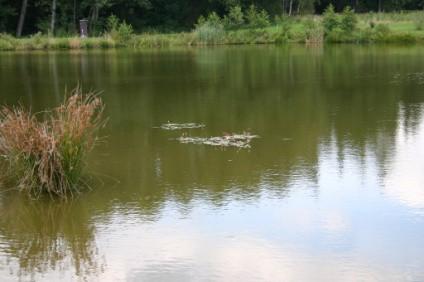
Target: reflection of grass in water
pixel 44 235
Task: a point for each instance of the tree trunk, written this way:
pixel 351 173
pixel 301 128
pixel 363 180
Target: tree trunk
pixel 74 17
pixel 53 20
pixel 290 7
pixel 379 6
pixel 21 18
pixel 284 7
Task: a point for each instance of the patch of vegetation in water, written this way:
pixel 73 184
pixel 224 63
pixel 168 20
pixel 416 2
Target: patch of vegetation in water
pixel 232 140
pixel 45 153
pixel 180 126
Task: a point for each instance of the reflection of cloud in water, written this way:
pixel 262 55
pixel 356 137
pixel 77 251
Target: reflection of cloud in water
pixel 185 253
pixel 405 183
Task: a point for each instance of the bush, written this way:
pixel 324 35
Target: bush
pixel 47 156
pixel 124 33
pixel 58 43
pixel 398 38
pixel 419 23
pixel 338 35
pixel 313 32
pixel 283 34
pixel 330 19
pixel 235 18
pixel 112 23
pixel 210 30
pixel 7 42
pixel 382 29
pixel 121 32
pixel 256 19
pixel 349 20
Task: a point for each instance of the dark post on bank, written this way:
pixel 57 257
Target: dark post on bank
pixel 83 28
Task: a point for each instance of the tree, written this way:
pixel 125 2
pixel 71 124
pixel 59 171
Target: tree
pixel 22 18
pixel 53 18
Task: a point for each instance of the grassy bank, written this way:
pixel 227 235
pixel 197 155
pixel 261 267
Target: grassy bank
pixel 399 28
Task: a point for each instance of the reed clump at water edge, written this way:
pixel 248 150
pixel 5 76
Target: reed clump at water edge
pixel 45 153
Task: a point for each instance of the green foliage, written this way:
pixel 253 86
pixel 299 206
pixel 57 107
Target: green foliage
pixel 349 20
pixel 314 33
pixel 419 23
pixel 382 29
pixel 256 18
pixel 210 30
pixel 284 30
pixel 121 32
pixel 235 18
pixel 124 33
pixel 7 42
pixel 112 23
pixel 330 19
pixel 338 35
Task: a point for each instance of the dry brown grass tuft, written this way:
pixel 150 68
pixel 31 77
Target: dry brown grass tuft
pixel 48 156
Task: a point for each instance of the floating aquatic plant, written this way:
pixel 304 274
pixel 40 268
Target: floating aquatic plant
pixel 179 126
pixel 46 155
pixel 232 140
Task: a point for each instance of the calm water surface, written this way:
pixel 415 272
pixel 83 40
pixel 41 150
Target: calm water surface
pixel 332 191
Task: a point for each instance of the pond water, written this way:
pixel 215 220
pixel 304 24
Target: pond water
pixel 333 190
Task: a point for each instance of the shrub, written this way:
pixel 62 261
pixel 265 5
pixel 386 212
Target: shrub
pixel 106 43
pixel 313 32
pixel 382 29
pixel 210 30
pixel 330 19
pixel 419 23
pixel 7 42
pixel 284 27
pixel 47 156
pixel 59 43
pixel 349 20
pixel 338 35
pixel 112 23
pixel 235 18
pixel 257 19
pixel 121 32
pixel 398 38
pixel 124 33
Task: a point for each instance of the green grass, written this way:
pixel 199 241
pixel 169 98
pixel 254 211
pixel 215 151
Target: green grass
pixel 404 28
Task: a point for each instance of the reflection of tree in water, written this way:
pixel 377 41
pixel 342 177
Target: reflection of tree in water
pixel 44 235
pixel 302 102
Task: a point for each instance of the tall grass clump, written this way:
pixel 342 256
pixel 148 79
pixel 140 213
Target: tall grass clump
pixel 45 153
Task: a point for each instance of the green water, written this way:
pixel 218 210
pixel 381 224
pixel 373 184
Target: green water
pixel 333 190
